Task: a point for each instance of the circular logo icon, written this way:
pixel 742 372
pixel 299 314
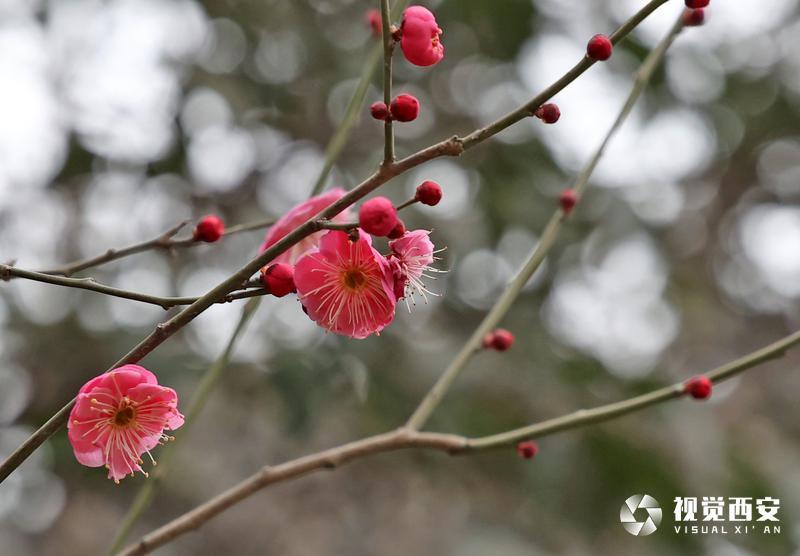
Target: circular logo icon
pixel 649 520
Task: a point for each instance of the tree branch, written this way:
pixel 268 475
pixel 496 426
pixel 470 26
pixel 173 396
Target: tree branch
pixel 506 300
pixel 7 272
pixel 162 242
pixel 450 147
pixel 453 444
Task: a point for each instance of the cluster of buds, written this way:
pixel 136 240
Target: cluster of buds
pixel 403 108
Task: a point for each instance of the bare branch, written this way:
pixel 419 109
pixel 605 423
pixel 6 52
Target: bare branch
pixel 537 256
pixel 408 438
pixel 163 242
pixel 92 285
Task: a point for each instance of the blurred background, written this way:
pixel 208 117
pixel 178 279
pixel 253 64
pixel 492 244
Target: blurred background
pixel 119 118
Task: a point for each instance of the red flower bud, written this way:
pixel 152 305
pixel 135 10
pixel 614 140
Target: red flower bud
pixel 499 339
pixel 694 4
pixel 698 387
pixel 379 110
pixel 419 37
pixel 209 229
pixel 405 108
pixel 373 19
pixel 527 449
pixel 548 113
pixel 398 230
pixel 599 48
pixel 377 216
pixel 694 18
pixel 568 199
pixel 278 279
pixel 429 193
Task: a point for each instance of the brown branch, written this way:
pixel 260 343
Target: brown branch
pixel 163 242
pixel 7 272
pixel 453 444
pixel 449 147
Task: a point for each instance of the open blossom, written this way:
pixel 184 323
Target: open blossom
pixel 420 37
pixel 346 286
pixel 119 416
pixel 412 256
pixel 297 216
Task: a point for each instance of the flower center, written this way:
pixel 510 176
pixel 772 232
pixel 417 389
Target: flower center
pixel 354 279
pixel 124 415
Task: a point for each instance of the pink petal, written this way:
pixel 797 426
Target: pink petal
pixel 297 216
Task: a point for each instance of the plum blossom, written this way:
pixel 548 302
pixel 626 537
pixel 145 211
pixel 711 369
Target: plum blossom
pixel 298 215
pixel 119 416
pixel 346 286
pixel 412 256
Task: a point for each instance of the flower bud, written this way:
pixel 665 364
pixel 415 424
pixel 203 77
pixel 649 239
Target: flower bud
pixel 379 111
pixel 568 199
pixel 377 216
pixel 548 113
pixel 278 279
pixel 527 449
pixel 209 229
pixel 599 48
pixel 405 108
pixel 429 193
pixel 699 387
pixel 419 37
pixel 499 339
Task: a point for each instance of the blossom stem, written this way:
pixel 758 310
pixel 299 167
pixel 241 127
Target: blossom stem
pixel 506 300
pixel 405 438
pixel 407 203
pixel 453 146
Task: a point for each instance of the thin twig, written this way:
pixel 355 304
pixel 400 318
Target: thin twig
pixel 537 256
pixel 388 50
pixel 453 444
pixel 449 147
pixel 164 242
pixel 92 285
pixel 339 139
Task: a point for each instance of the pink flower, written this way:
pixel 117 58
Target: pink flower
pixel 420 37
pixel 346 286
pixel 297 216
pixel 413 255
pixel 120 415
